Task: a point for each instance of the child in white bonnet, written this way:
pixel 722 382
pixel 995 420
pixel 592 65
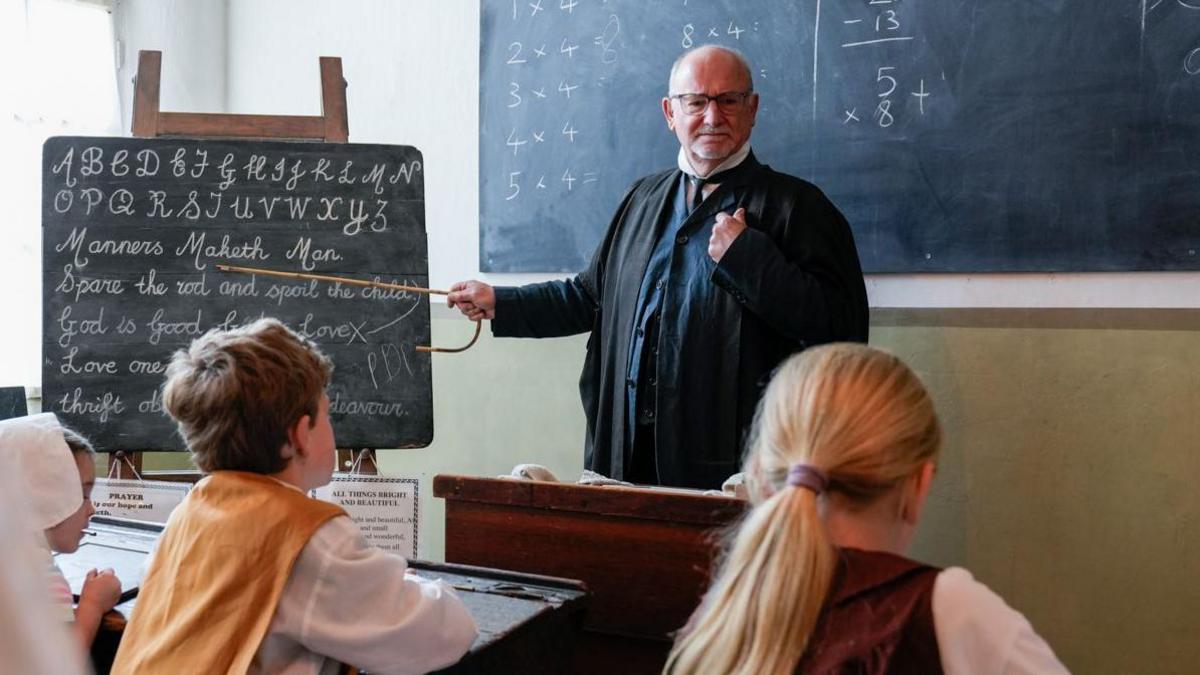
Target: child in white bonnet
pixel 56 466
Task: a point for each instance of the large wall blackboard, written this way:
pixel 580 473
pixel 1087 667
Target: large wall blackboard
pixel 133 229
pixel 972 135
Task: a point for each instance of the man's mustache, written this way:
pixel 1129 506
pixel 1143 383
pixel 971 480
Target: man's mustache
pixel 712 130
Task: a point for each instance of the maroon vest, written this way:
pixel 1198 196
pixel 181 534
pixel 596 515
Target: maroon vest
pixel 878 619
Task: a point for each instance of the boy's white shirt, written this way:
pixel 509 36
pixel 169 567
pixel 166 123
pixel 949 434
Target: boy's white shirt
pixel 347 601
pixel 979 634
pixel 355 603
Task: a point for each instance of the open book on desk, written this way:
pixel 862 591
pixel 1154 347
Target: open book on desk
pixel 124 545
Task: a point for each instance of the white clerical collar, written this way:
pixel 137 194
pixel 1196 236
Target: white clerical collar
pixel 736 158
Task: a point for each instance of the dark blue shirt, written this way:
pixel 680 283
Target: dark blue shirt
pixel 677 280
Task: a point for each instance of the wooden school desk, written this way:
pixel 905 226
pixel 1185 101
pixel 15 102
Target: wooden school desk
pixel 527 623
pixel 645 554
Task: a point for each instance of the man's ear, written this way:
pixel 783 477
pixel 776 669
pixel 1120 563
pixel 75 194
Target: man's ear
pixel 667 113
pixel 299 437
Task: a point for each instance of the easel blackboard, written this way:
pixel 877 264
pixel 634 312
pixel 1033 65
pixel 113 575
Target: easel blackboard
pixel 133 229
pixel 964 136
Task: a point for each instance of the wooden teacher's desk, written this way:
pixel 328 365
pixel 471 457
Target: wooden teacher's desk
pixel 645 554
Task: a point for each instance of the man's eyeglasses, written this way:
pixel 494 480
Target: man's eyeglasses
pixel 729 102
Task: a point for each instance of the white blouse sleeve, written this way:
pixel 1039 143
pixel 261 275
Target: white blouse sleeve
pixel 978 633
pixel 354 603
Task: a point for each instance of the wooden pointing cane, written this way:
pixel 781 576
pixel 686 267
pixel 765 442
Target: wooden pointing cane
pixel 360 282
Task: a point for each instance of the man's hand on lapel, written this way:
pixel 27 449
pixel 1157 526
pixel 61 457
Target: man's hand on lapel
pixel 726 229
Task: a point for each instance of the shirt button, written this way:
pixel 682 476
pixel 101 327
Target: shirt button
pixel 652 382
pixel 630 382
pixel 681 239
pixel 660 284
pixel 639 332
pixel 650 414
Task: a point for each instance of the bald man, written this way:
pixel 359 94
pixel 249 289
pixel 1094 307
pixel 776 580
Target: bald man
pixel 709 275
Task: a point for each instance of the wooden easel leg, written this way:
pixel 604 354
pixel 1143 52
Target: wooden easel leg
pixel 145 96
pixel 333 100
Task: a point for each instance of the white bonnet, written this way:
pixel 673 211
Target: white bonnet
pixel 34 446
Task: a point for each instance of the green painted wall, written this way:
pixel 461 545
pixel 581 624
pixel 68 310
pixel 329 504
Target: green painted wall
pixel 1068 482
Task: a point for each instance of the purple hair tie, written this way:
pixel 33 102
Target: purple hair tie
pixel 807 476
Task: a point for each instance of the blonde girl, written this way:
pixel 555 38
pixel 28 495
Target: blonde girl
pixel 842 454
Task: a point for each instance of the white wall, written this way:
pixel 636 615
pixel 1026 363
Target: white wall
pixel 60 83
pixel 191 34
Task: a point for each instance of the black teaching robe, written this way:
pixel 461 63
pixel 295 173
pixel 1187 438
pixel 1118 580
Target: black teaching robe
pixel 790 281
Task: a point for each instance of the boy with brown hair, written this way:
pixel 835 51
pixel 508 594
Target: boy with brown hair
pixel 252 575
